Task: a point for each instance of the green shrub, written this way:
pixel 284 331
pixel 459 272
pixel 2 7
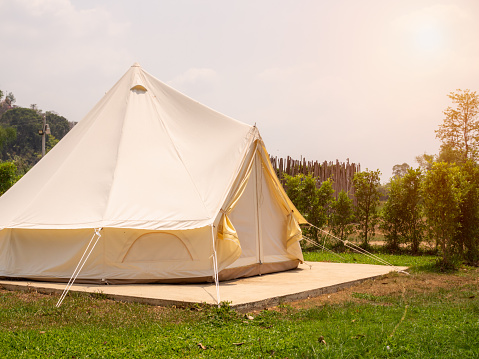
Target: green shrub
pixel 312 202
pixel 8 176
pixel 342 216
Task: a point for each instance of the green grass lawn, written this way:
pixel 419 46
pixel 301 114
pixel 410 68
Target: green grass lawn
pixel 433 316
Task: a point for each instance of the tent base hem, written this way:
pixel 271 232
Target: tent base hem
pixel 257 269
pixel 225 275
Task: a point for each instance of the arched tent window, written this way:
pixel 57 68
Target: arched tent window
pixel 158 247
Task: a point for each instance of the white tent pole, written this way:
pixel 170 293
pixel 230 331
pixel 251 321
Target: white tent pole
pixel 79 266
pixel 215 267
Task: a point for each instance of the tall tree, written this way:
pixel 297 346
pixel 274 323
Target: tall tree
pixel 442 195
pixel 342 216
pixel 467 236
pixel 5 103
pixel 402 213
pixel 366 186
pixel 449 155
pixel 460 130
pixel 412 204
pixel 425 161
pixel 10 98
pixel 392 221
pixel 400 170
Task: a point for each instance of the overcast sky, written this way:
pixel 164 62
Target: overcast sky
pixel 365 80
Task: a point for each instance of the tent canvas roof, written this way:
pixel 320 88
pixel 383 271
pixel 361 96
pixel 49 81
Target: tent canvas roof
pixel 146 156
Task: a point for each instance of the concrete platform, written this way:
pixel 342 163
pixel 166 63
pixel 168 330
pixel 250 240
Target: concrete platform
pixel 308 280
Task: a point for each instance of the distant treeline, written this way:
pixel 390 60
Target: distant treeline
pixel 19 132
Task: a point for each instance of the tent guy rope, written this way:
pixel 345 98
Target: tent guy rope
pixel 358 249
pixel 310 241
pixel 80 265
pixel 215 267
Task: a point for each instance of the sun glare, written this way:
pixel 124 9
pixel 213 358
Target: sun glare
pixel 428 37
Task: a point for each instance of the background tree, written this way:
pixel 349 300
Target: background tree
pixel 383 192
pixel 10 99
pixel 449 155
pixel 7 136
pixel 342 216
pixel 412 208
pixel 6 103
pixel 442 206
pixel 400 170
pixel 425 161
pixel 402 213
pixel 392 221
pixel 460 130
pixel 367 196
pixel 50 143
pixel 27 123
pixel 59 125
pixel 28 143
pixel 312 202
pixel 467 236
pixel 8 176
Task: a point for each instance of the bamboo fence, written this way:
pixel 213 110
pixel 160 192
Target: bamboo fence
pixel 341 173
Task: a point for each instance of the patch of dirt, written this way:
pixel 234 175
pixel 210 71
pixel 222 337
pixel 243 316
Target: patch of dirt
pixel 29 295
pixel 394 285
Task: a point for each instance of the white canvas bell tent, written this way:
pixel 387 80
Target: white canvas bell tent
pixel 177 192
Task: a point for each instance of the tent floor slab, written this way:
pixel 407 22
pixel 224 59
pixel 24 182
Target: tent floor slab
pixel 245 294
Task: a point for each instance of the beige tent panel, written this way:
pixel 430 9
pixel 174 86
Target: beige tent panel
pixel 170 182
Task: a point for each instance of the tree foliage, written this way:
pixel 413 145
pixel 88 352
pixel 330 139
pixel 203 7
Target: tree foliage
pixel 442 195
pixel 413 211
pixel 467 236
pixel 400 170
pixel 27 123
pixel 449 155
pixel 392 222
pixel 59 125
pixel 28 144
pixel 7 102
pixel 8 176
pixel 460 130
pixel 7 136
pixel 366 185
pixel 10 99
pixel 402 213
pixel 342 216
pixel 425 161
pixel 312 202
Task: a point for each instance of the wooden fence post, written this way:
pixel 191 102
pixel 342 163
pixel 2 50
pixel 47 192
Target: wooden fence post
pixel 341 173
